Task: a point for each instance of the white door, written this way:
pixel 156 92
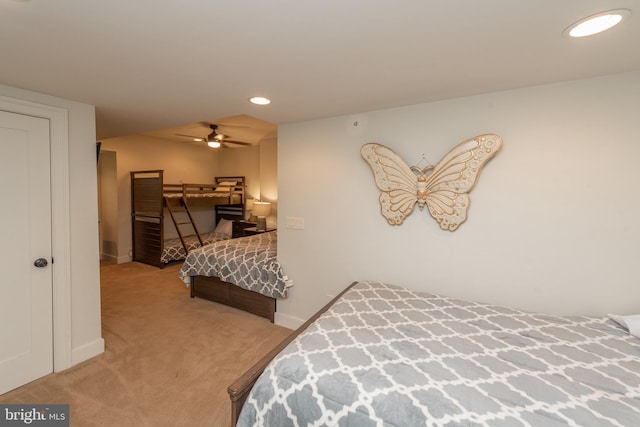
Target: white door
pixel 26 324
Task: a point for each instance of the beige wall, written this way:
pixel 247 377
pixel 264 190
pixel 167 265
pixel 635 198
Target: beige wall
pixel 269 177
pixel 553 222
pixel 107 202
pixel 182 162
pixel 241 162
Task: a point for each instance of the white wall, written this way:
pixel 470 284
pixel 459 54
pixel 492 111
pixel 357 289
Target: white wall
pixel 553 222
pixel 81 255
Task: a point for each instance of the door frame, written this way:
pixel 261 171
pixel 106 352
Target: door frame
pixel 60 222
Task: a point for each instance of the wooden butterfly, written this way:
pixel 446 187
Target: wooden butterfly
pixel 443 187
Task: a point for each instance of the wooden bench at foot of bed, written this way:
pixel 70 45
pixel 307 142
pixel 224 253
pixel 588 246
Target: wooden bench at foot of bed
pixel 216 290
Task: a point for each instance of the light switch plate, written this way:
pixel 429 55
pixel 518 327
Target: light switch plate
pixel 295 223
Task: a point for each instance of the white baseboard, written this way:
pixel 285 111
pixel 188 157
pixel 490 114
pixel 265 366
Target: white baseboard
pixel 115 259
pixel 287 321
pixel 87 351
pixel 109 258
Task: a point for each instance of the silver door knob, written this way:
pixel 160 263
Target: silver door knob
pixel 40 262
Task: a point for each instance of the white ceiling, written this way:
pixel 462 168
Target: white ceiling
pixel 152 64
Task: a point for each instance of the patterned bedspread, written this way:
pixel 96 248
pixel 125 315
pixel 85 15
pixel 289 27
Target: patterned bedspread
pixel 248 262
pixel 173 250
pixel 387 356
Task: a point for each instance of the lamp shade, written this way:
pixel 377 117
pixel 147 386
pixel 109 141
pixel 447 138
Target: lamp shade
pixel 261 209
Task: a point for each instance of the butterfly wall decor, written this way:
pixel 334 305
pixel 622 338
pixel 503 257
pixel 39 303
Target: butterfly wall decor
pixel 442 188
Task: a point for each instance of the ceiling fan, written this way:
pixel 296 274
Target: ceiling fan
pixel 215 139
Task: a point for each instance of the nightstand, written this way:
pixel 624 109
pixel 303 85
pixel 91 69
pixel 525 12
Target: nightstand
pixel 237 230
pixel 250 231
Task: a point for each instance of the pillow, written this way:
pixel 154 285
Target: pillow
pixel 631 323
pixel 224 227
pixel 225 187
pixel 223 190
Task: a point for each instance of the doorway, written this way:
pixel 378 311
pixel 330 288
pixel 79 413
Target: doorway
pixel 26 303
pixel 58 118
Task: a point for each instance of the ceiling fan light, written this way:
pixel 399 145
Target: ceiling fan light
pixel 260 100
pixel 214 144
pixel 598 23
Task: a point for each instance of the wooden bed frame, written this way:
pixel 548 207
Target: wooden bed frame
pixel 216 290
pixel 148 209
pixel 239 390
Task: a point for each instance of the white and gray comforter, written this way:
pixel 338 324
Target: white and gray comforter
pixel 387 356
pixel 248 262
pixel 174 251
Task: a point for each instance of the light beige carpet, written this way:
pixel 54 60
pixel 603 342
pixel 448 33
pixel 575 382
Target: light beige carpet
pixel 168 360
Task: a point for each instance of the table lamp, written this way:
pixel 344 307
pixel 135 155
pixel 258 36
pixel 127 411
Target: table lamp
pixel 261 210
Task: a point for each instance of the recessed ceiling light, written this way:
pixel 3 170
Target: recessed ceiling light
pixel 597 23
pixel 260 100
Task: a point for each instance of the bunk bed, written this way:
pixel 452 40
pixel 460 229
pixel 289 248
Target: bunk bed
pixel 243 273
pixel 380 354
pixel 154 202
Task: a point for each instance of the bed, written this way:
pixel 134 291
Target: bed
pixel 243 273
pixel 154 202
pixel 383 355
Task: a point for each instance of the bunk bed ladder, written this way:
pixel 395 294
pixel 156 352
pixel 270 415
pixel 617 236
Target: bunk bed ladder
pixel 182 208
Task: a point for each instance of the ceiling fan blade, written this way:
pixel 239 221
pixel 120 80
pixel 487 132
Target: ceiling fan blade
pixel 209 126
pixel 234 144
pixel 231 141
pixel 189 138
